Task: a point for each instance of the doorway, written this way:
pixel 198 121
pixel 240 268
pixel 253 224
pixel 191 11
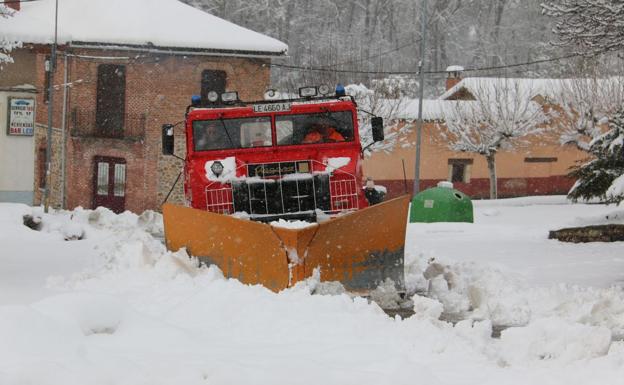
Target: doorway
pixel 109 187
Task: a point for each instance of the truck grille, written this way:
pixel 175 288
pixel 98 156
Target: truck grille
pixel 283 196
pixel 293 194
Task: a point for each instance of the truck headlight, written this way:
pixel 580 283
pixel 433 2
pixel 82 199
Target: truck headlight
pixel 229 96
pixel 213 96
pixel 324 89
pixel 307 92
pixel 217 168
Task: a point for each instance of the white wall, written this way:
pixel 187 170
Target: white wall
pixel 17 158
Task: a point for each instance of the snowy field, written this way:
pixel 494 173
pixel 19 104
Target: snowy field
pixel 117 308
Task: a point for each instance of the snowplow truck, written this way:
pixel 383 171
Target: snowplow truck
pixel 255 171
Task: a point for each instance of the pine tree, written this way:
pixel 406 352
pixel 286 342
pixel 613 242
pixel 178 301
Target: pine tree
pixel 595 179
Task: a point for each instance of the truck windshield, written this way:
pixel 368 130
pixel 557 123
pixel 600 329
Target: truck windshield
pixel 222 134
pixel 326 127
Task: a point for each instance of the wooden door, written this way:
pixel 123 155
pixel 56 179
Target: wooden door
pixel 109 187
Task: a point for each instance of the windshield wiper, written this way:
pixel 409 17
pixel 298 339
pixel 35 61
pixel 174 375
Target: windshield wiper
pixel 226 131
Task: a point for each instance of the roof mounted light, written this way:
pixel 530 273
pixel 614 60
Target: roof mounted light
pixel 231 96
pixel 324 89
pixel 270 94
pixel 213 96
pixel 195 100
pixel 308 92
pixel 340 90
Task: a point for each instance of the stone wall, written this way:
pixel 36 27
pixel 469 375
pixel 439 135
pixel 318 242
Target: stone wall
pixel 41 135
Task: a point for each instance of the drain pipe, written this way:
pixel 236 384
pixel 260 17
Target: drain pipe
pixel 64 133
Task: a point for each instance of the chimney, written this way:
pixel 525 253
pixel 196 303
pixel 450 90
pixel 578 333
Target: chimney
pixel 15 4
pixel 453 76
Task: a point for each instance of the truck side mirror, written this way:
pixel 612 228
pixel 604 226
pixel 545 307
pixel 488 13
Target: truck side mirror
pixel 378 131
pixel 167 139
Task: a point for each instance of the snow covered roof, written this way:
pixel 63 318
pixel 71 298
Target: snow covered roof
pixel 475 86
pixel 454 68
pixel 404 108
pixel 548 88
pixel 432 109
pixel 167 24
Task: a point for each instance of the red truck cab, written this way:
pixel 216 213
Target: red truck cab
pixel 293 159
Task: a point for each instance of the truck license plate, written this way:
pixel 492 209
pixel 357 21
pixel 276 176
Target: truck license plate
pixel 272 107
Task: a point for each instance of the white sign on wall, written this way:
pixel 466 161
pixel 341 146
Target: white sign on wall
pixel 21 116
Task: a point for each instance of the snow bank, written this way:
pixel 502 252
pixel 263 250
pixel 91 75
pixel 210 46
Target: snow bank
pixel 554 339
pixel 141 314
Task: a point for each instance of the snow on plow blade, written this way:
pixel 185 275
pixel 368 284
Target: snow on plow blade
pixel 359 249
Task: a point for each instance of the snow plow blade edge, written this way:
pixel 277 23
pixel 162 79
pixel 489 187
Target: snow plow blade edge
pixel 359 249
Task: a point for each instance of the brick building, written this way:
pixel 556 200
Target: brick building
pixel 124 68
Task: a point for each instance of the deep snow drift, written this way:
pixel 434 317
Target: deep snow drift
pixel 117 308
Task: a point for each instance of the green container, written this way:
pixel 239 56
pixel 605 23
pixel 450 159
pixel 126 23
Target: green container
pixel 441 204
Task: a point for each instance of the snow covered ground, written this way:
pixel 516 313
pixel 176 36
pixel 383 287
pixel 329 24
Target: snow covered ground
pixel 117 308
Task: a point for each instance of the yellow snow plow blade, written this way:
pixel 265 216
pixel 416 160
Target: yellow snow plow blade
pixel 359 249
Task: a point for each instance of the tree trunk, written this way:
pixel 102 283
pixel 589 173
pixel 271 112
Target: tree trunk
pixel 491 163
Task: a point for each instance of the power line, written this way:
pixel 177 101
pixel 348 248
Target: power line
pixel 373 56
pixel 525 63
pixel 475 69
pixel 325 69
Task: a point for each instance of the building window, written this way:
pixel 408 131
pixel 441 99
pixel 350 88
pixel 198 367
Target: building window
pixel 102 178
pixel 111 99
pixel 120 180
pixel 459 170
pixel 540 159
pixel 212 80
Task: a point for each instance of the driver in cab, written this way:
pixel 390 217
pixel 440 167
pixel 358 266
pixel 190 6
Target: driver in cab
pixel 322 133
pixel 210 137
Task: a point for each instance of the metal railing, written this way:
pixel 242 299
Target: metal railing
pixel 341 194
pixel 220 200
pixel 87 123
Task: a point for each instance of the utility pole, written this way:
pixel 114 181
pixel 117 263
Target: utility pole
pixel 421 72
pixel 51 67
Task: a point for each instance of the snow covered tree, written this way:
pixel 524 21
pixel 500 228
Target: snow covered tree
pixel 592 25
pixel 503 113
pixel 585 106
pixel 603 176
pixel 6 46
pixel 355 41
pixel 385 99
